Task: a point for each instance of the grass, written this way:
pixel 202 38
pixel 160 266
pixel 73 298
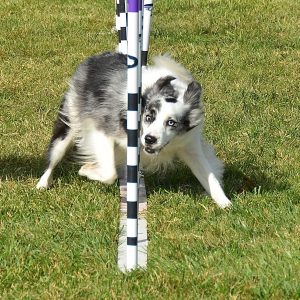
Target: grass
pixel 62 243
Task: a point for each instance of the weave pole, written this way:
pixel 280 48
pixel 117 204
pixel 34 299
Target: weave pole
pixel 132 132
pixel 118 25
pixel 147 16
pixel 133 241
pixel 121 24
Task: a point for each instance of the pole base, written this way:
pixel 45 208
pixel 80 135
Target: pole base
pixel 142 228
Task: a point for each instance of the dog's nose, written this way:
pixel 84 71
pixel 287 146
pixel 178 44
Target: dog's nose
pixel 149 139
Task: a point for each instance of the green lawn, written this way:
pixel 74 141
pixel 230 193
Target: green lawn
pixel 62 243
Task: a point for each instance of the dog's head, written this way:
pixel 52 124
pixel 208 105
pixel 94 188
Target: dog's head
pixel 168 111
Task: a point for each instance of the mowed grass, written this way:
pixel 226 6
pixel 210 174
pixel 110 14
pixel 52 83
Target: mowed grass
pixel 62 243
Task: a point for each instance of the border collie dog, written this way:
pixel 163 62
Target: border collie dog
pixel 91 123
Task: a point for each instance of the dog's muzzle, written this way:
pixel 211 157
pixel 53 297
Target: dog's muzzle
pixel 150 140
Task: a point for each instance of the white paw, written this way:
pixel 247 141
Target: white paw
pixel 93 172
pixel 224 203
pixel 44 182
pixel 87 168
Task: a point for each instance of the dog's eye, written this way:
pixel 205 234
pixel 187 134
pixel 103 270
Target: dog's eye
pixel 148 118
pixel 171 123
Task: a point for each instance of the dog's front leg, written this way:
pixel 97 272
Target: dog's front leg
pixel 203 169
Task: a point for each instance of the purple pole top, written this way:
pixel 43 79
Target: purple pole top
pixel 133 5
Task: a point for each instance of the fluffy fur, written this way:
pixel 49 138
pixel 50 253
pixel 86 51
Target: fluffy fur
pixel 92 123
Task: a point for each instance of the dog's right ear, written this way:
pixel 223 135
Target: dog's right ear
pixel 143 103
pixel 162 82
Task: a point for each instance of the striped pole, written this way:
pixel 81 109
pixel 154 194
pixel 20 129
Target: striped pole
pixel 141 4
pixel 147 16
pixel 133 240
pixel 118 27
pixel 132 132
pixel 122 32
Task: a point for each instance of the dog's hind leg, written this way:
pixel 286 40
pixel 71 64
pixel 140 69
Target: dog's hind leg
pixel 61 141
pixel 101 147
pixel 207 168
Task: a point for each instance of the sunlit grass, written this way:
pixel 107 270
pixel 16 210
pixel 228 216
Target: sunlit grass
pixel 62 243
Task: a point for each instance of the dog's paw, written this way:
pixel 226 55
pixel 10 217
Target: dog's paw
pixel 109 180
pixel 87 168
pixel 93 172
pixel 44 182
pixel 224 203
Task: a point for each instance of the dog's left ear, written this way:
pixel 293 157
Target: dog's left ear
pixel 192 97
pixel 192 94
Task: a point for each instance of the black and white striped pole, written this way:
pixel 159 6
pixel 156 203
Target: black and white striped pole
pixel 117 20
pixel 133 241
pixel 147 16
pixel 132 132
pixel 121 25
pixel 145 25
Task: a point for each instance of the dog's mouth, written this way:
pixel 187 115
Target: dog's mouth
pixel 150 150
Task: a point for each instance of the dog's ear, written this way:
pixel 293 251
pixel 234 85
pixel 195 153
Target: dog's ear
pixel 192 94
pixel 162 85
pixel 143 103
pixel 192 97
pixel 162 82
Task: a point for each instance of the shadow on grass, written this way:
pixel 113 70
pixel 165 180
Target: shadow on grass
pixel 22 167
pixel 180 179
pixel 19 169
pixel 236 182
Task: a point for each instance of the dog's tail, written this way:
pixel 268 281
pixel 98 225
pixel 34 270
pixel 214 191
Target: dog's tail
pixel 166 62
